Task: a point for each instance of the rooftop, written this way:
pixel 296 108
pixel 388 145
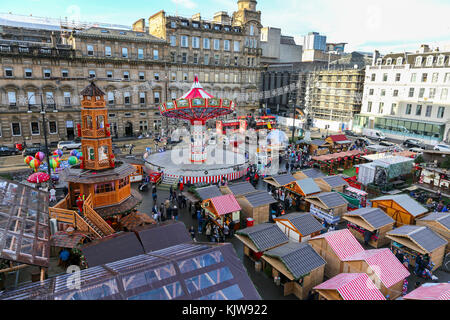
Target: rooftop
pixel 406 202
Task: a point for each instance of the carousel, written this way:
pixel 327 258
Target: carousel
pixel 195 161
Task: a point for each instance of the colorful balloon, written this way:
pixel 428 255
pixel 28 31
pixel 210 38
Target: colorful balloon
pixel 60 152
pixel 28 159
pixel 35 164
pixel 54 163
pixel 39 155
pixel 74 153
pixel 79 154
pixel 73 160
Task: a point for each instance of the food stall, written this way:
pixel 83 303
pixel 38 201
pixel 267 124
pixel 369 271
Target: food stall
pixel 439 222
pixel 256 205
pixel 300 189
pixel 329 206
pixel 331 183
pixel 223 209
pixel 401 207
pixel 299 226
pixel 358 196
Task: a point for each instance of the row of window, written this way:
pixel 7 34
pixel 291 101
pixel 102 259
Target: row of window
pixel 28 73
pixel 31 98
pixel 429 61
pixel 408 111
pixel 215 44
pixel 431 93
pixel 124 52
pixel 424 77
pixel 207 26
pixel 206 59
pixel 35 128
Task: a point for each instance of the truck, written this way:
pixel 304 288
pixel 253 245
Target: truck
pixel 374 134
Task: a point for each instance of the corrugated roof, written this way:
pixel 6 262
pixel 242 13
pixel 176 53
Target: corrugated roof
pixel 209 192
pixel 343 243
pixel 376 217
pixel 384 264
pixel 406 202
pixel 353 286
pixel 260 198
pixel 299 258
pixel 241 188
pixel 308 186
pixel 312 173
pixel 422 235
pixel 430 291
pixel 331 199
pixel 338 137
pixel 442 218
pixel 225 204
pixel 335 181
pixel 305 222
pixel 265 236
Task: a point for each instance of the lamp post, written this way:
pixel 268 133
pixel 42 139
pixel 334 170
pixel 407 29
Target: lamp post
pixel 293 116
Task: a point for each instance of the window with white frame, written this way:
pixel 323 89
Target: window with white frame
pixel 432 93
pixel 47 73
pixel 447 77
pixel 206 44
pixel 28 73
pixel 31 97
pixel 399 61
pixel 206 59
pixel 184 57
pixel 173 24
pixel 216 59
pixel 373 77
pixel 430 60
pixel 90 50
pixel 34 128
pixel 49 98
pixel 216 44
pixel 195 42
pixel 155 54
pixel 109 74
pixel 91 73
pixel 184 41
pixel 418 61
pixel 421 92
pixel 237 46
pixel 398 77
pixel 226 45
pixel 126 75
pixel 140 53
pixel 185 77
pixel 408 108
pixel 127 98
pixel 424 77
pixel 157 97
pixel 411 92
pixel 369 106
pixel 252 30
pixel 435 77
pixel 12 98
pixel 393 109
pixel 108 52
pixel 16 129
pixel 428 111
pixel 440 61
pixel 124 52
pixel 441 111
pixel 385 77
pixel 413 77
pixel 67 98
pixel 216 77
pixel 383 92
pixel 156 76
pixel 173 41
pixel 173 76
pixel 381 108
pixel 418 110
pixel 65 73
pixel 141 75
pixel 395 93
pixel 371 91
pixel 444 94
pixel 111 98
pixel 142 97
pixel 195 58
pixel 389 61
pixel 52 127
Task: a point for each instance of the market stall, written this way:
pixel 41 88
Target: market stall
pixel 349 286
pixel 335 247
pixel 279 181
pixel 439 222
pixel 319 147
pixel 402 208
pixel 238 189
pixel 223 209
pixel 134 220
pixel 329 206
pixel 382 267
pixel 418 240
pixel 338 142
pixel 300 189
pixel 308 173
pixel 435 178
pixel 331 183
pixel 430 291
pixel 298 267
pixel 370 222
pixel 256 205
pixel 341 160
pixel 299 227
pixel 209 192
pixel 260 238
pixel 356 198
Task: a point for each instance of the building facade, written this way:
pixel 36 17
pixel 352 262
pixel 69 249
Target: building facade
pixel 277 48
pixel 407 96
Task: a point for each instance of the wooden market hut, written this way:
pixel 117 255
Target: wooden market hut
pixel 329 206
pixel 299 226
pixel 260 238
pixel 374 220
pixel 302 189
pixel 335 247
pixel 299 267
pixel 256 205
pixel 439 222
pixel 415 240
pixel 402 208
pixel 349 286
pixel 223 208
pixel 238 189
pixel 331 183
pixel 308 173
pixel 338 142
pixel 430 291
pixel 319 147
pixel 382 267
pixel 281 180
pixel 209 192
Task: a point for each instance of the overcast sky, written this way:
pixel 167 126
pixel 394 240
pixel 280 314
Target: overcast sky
pixel 386 25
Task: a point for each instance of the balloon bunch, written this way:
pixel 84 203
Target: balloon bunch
pixel 75 156
pixel 35 163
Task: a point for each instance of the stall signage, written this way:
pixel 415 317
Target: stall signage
pixel 324 215
pixel 236 216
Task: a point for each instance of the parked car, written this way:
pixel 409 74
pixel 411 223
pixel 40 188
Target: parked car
pixel 386 144
pixel 441 147
pixel 31 151
pixel 413 143
pixel 8 151
pixel 350 133
pixel 374 134
pixel 69 145
pixel 363 141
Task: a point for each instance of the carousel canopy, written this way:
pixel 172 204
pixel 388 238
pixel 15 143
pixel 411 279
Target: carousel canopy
pixel 196 105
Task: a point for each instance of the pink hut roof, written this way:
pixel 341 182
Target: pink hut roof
pixel 384 264
pixel 225 204
pixel 196 91
pixel 430 291
pixel 353 286
pixel 343 243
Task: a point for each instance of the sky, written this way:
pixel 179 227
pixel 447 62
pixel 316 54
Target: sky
pixel 385 25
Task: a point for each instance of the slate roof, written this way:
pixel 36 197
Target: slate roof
pixel 209 192
pixel 114 34
pixel 376 217
pixel 335 181
pixel 318 142
pixel 442 218
pixel 305 222
pixel 406 202
pixel 241 188
pixel 265 236
pixel 284 179
pixel 423 236
pixel 92 91
pixel 330 199
pixel 299 258
pixel 308 186
pixel 260 198
pixel 313 173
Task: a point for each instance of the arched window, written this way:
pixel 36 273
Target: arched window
pixel 88 122
pixel 389 61
pixel 103 153
pixel 91 153
pixel 441 60
pixel 418 61
pixel 100 122
pixel 399 61
pixel 430 60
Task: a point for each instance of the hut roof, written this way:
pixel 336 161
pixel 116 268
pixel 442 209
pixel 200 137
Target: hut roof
pixel 64 239
pixel 335 181
pixel 406 202
pixel 430 291
pixel 423 236
pixel 318 142
pixel 92 91
pixel 330 199
pixel 136 219
pixel 241 188
pixel 305 222
pixel 313 173
pixel 339 138
pixel 209 192
pixel 265 236
pixel 260 198
pixel 375 217
pixel 385 265
pixel 308 186
pixel 299 258
pixel 225 204
pixel 353 286
pixel 283 179
pixel 442 218
pixel 343 243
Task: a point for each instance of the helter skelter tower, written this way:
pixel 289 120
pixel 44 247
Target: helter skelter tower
pixel 197 106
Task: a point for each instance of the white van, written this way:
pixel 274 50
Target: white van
pixel 374 134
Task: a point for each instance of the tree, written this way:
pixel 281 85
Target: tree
pixel 419 159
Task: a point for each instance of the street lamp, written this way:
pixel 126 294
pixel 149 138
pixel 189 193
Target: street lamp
pixel 44 123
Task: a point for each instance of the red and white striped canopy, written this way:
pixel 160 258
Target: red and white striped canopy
pixel 225 204
pixel 196 91
pixel 430 291
pixel 343 243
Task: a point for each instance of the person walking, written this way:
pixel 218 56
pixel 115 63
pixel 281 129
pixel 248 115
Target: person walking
pixel 200 221
pixel 226 231
pixel 175 212
pixel 192 233
pixel 170 193
pixel 208 231
pixel 155 212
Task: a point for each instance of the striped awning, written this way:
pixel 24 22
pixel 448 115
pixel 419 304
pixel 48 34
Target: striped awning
pixel 225 204
pixel 356 191
pixel 343 243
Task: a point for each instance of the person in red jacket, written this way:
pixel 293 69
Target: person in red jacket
pixel 80 202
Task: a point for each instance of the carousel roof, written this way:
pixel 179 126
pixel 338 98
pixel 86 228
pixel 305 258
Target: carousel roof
pixel 196 91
